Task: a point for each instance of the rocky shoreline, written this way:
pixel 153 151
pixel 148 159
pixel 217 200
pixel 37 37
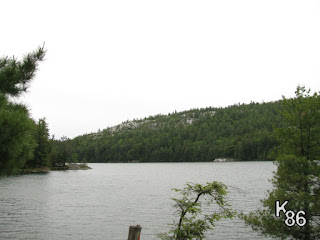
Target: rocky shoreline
pixel 37 170
pixel 73 166
pixel 225 160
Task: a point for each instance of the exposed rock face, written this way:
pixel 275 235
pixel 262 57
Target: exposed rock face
pixel 224 160
pixel 75 166
pixel 184 119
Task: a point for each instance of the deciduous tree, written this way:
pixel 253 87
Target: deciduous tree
pixel 192 223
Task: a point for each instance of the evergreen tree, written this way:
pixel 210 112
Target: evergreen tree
pixel 297 179
pixel 16 126
pixel 16 139
pixel 41 151
pixel 61 152
pixel 15 76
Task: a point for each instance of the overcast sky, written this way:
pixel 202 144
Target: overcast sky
pixel 112 61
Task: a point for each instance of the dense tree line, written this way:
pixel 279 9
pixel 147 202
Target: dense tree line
pixel 286 131
pixel 242 132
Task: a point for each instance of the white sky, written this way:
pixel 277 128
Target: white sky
pixel 112 61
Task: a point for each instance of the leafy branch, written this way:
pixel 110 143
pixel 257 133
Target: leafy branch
pixel 190 224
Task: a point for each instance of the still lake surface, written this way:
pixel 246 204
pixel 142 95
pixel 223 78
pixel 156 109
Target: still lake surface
pixel 103 202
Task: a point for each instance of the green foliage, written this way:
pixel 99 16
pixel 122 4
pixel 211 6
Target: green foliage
pixel 298 175
pixel 62 152
pixel 242 132
pixel 192 223
pixel 41 151
pixel 16 75
pixel 302 117
pixel 17 141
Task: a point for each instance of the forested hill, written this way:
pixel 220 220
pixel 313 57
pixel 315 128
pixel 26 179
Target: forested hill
pixel 242 132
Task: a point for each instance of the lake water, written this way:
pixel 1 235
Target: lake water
pixel 103 202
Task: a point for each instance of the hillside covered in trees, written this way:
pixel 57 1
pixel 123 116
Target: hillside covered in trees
pixel 241 132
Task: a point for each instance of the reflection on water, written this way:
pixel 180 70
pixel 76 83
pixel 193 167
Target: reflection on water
pixel 103 202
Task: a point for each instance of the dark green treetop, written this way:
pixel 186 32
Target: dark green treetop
pixel 41 151
pixel 15 75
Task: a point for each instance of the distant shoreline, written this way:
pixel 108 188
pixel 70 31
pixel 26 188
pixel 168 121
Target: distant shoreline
pixel 73 166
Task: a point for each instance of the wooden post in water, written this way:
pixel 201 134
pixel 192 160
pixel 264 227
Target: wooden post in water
pixel 134 232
